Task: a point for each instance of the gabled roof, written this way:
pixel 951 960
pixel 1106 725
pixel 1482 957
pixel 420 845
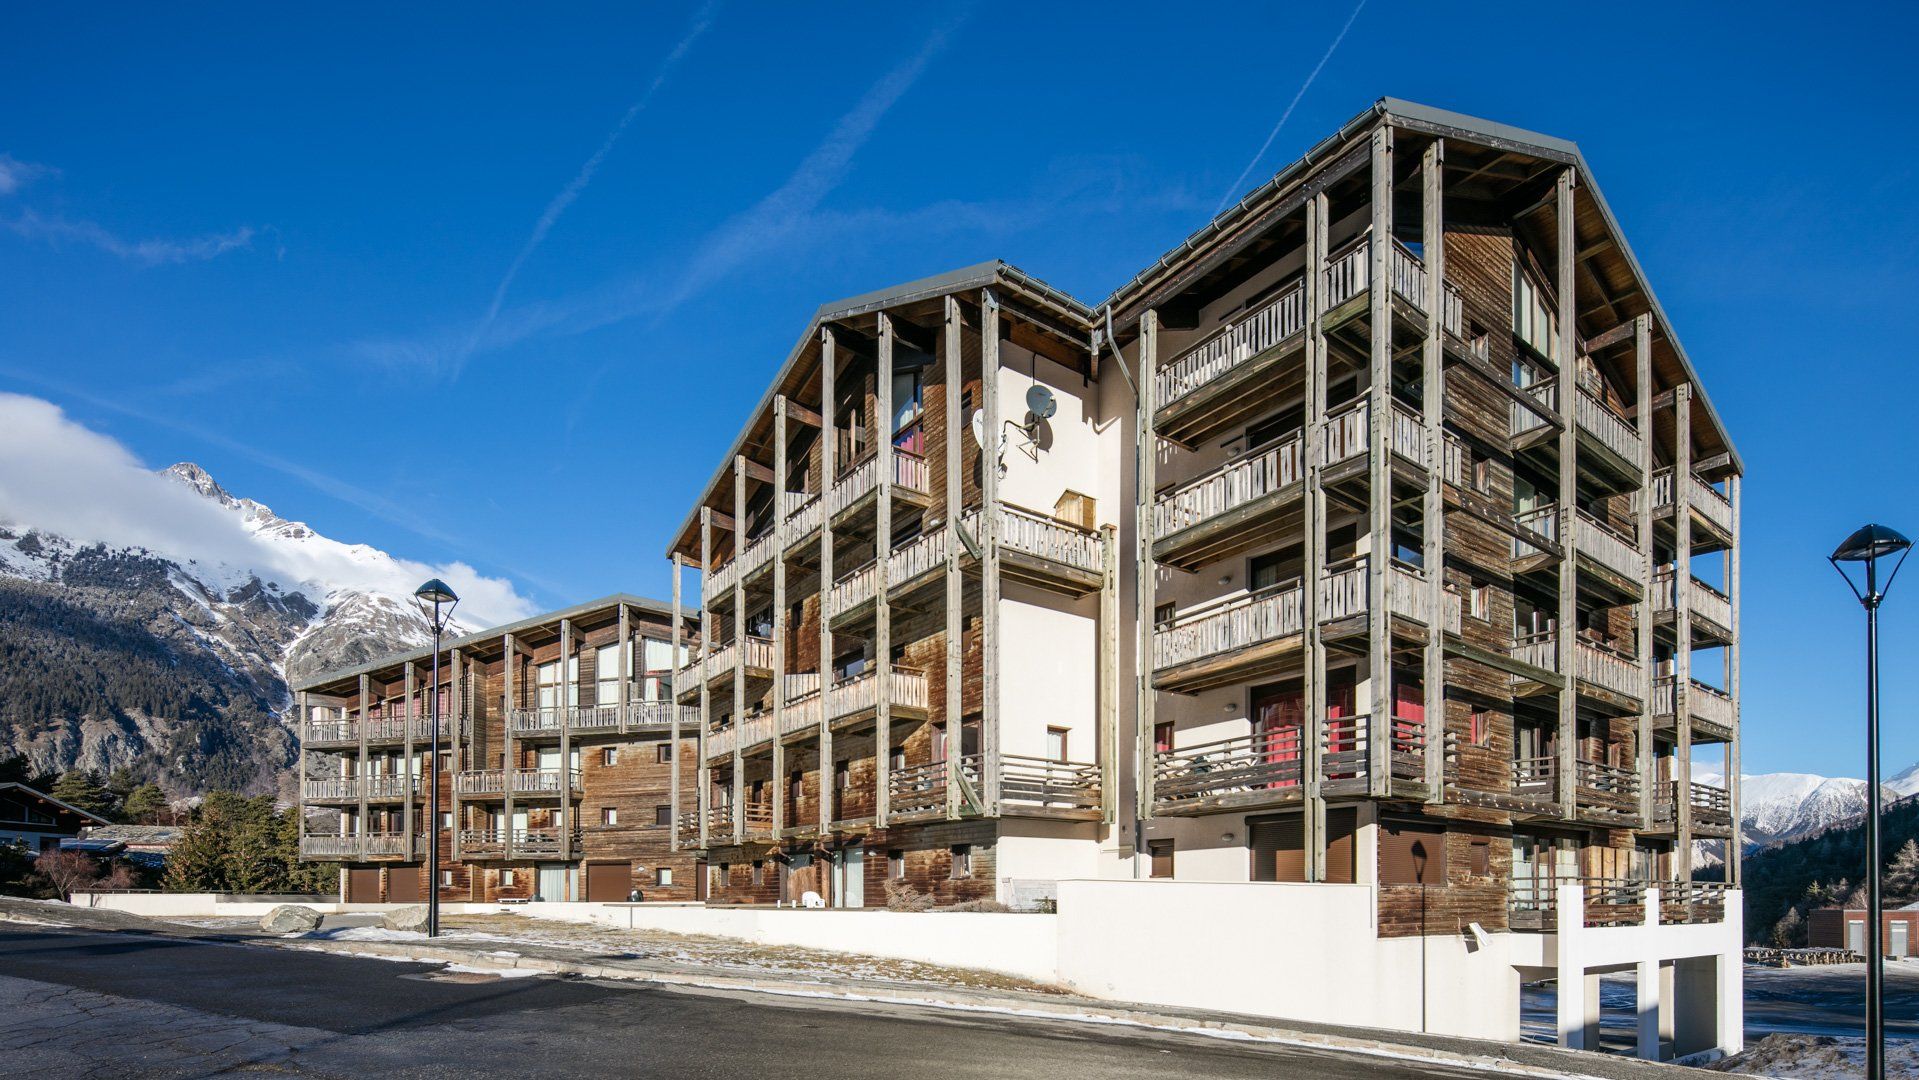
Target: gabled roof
pixel 1444 123
pixel 42 796
pixel 964 279
pixel 656 607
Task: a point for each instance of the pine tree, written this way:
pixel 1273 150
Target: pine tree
pixel 144 805
pixel 1789 932
pixel 84 791
pixel 1902 876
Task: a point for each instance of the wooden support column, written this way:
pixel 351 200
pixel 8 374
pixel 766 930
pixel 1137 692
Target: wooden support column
pixel 673 703
pixel 365 763
pixel 510 675
pixel 1682 627
pixel 1145 584
pixel 989 549
pixel 1433 411
pixel 455 719
pixel 953 456
pixel 1379 395
pixel 829 361
pixel 882 552
pixel 569 696
pixel 625 652
pixel 1642 506
pixel 776 783
pixel 301 720
pixel 1312 458
pixel 703 771
pixel 1567 619
pixel 739 650
pixel 1734 848
pixel 412 764
pixel 1108 687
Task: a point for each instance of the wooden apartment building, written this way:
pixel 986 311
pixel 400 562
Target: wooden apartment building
pixel 1380 532
pixel 563 763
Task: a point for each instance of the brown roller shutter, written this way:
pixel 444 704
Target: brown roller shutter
pixel 403 885
pixel 363 885
pixel 1278 848
pixel 1411 853
pixel 608 882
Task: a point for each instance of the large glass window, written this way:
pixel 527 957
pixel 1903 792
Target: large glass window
pixel 1534 322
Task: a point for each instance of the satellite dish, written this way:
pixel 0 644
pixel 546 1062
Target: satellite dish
pixel 979 427
pixel 1041 403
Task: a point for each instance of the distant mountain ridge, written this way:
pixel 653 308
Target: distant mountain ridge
pixel 176 664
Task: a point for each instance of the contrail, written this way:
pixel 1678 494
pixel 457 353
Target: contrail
pixel 1287 115
pixel 551 215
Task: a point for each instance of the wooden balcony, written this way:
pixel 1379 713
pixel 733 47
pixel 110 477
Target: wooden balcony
pixel 1240 773
pixel 550 722
pixel 1533 903
pixel 488 845
pixel 1614 557
pixel 523 783
pixel 856 486
pixel 1231 508
pixel 908 566
pixel 719 825
pixel 1608 794
pixel 1349 275
pixel 1042 787
pixel 1345 760
pixel 802 510
pixel 1045 552
pixel 1532 424
pixel 380 731
pixel 1711 609
pixel 718 666
pixel 358 848
pixel 353 788
pixel 1711 808
pixel 1710 509
pixel 1713 714
pixel 860 695
pixel 1606 438
pixel 918 792
pixel 1226 641
pixel 1206 389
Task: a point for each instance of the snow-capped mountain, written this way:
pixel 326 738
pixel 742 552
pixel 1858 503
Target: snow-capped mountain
pixel 170 652
pixel 1779 807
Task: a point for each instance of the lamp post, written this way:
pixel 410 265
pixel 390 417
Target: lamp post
pixel 432 597
pixel 1868 546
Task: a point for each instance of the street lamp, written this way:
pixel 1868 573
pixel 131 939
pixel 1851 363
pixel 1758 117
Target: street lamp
pixel 1869 545
pixel 432 597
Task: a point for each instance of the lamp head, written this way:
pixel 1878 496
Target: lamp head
pixel 1868 545
pixel 430 597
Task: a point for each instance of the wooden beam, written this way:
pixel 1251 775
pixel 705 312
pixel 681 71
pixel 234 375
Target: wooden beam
pixel 1433 410
pixel 989 570
pixel 953 466
pixel 1567 617
pixel 1379 463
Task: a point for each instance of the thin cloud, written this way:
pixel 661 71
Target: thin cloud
pixel 58 232
pixel 572 191
pixel 45 457
pixel 16 174
pixel 1294 104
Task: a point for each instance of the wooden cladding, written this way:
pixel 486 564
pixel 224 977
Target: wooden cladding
pixel 1278 846
pixel 1411 853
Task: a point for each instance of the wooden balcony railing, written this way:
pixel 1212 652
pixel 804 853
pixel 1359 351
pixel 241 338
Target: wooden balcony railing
pixel 1541 650
pixel 1533 902
pixel 859 480
pixel 1524 418
pixel 1610 548
pixel 379 729
pixel 1709 501
pixel 522 781
pixel 1345 757
pixel 721 661
pixel 1706 703
pixel 352 788
pixel 1349 272
pixel 1263 761
pixel 1407 436
pixel 1704 601
pixel 1233 344
pixel 1542 522
pixel 906 689
pixel 1607 787
pixel 1223 627
pixel 802 510
pixel 518 843
pixel 1342 590
pixel 1610 669
pixel 1409 597
pixel 917 789
pixel 358 846
pixel 1043 537
pixel 1711 805
pixel 917 557
pixel 1613 431
pixel 1345 432
pixel 1032 782
pixel 1536 779
pixel 853 589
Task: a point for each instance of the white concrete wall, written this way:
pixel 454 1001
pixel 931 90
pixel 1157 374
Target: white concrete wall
pixel 1301 952
pixel 1020 945
pixel 205 905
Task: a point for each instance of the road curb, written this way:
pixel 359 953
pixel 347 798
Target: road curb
pixel 1077 1010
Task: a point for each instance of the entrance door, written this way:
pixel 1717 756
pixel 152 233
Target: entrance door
pixel 552 882
pixel 699 880
pixel 403 885
pixel 1279 718
pixel 1856 935
pixel 1901 932
pixel 849 877
pixel 1342 728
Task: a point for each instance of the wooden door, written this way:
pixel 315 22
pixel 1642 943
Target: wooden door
pixel 700 878
pixel 1342 728
pixel 1278 848
pixel 1279 718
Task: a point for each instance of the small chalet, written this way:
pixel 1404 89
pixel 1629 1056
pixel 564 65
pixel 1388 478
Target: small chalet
pixel 37 821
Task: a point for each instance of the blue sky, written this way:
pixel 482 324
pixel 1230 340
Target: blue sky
pixel 494 285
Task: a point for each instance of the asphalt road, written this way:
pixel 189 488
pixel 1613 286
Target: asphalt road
pixel 105 1004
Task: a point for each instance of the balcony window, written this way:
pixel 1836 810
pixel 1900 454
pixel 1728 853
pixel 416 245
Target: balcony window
pixel 1534 322
pixel 657 682
pixel 606 673
pixel 548 683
